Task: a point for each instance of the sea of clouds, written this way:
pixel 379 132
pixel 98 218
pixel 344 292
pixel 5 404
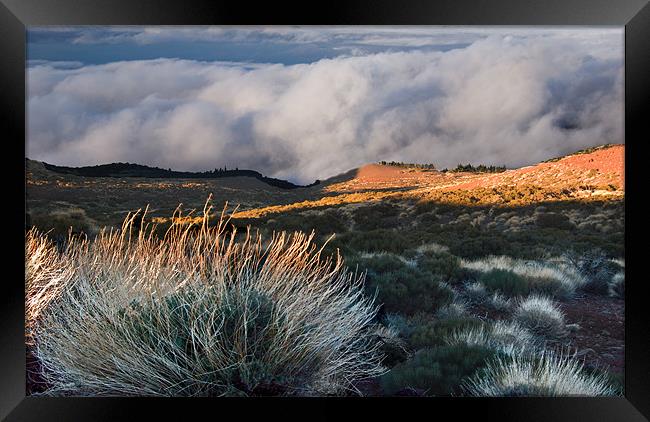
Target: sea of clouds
pixel 502 99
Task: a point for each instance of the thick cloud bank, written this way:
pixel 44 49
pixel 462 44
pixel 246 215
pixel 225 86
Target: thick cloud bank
pixel 501 100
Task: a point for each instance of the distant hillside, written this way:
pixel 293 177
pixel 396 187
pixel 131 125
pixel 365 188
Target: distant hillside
pixel 137 170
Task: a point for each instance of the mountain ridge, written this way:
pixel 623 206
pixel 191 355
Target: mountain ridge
pixel 119 169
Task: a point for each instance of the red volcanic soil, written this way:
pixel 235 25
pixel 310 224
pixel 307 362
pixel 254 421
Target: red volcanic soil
pixel 375 173
pixel 600 168
pixel 607 160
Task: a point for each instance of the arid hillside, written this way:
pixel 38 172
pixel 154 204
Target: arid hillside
pixel 464 265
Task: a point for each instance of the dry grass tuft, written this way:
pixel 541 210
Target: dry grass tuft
pixel 197 313
pixel 553 276
pixel 544 375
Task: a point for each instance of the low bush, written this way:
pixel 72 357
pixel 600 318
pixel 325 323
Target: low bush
pixel 324 223
pixel 505 337
pixel 475 293
pixel 515 277
pixel 597 268
pixel 438 371
pixel 499 303
pixel 400 287
pixel 442 264
pixel 505 282
pixel 393 347
pixel 198 314
pixel 616 287
pixel 427 332
pixel 542 317
pixel 60 222
pixel 409 291
pixel 544 375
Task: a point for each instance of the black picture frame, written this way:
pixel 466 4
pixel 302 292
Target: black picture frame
pixel 16 15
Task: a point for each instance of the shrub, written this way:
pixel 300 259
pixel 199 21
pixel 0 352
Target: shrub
pixel 198 314
pixel 481 245
pixel 409 291
pixel 323 223
pixel 437 371
pixel 505 337
pixel 454 310
pixel 424 332
pixel 377 264
pixel 443 264
pixel 541 316
pixel 597 268
pixel 475 293
pixel 499 303
pixel 546 375
pixel 548 277
pixel 400 287
pixel 393 346
pixel 60 221
pixel 616 287
pixel 505 281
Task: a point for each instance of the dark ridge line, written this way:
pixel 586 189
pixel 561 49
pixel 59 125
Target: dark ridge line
pixel 118 170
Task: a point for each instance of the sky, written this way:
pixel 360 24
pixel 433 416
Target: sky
pixel 307 103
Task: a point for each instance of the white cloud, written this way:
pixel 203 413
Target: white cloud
pixel 511 100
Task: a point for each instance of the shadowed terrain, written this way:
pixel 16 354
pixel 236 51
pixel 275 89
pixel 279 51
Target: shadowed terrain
pixel 446 252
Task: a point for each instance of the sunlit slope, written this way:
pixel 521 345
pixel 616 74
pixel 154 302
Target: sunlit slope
pixel 594 175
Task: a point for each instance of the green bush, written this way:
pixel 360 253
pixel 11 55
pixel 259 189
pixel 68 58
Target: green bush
pixel 443 264
pixel 409 291
pixel 400 287
pixel 505 282
pixel 438 371
pixel 617 286
pixel 424 334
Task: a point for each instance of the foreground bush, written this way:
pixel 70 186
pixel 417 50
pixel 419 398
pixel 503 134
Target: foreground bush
pixel 438 371
pixel 199 314
pixel 545 375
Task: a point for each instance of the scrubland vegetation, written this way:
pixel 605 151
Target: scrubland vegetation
pixel 447 292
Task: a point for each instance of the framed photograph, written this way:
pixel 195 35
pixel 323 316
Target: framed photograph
pixel 391 208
